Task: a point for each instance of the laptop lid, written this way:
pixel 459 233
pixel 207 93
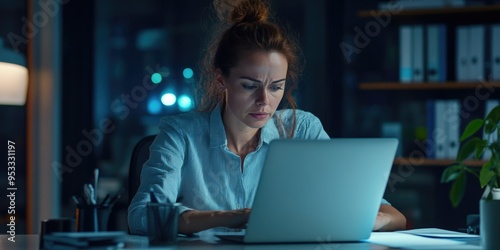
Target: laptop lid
pixel 320 190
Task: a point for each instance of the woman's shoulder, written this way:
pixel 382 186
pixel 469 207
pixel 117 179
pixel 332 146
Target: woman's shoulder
pixel 300 115
pixel 307 125
pixel 185 121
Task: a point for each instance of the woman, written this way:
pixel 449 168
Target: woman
pixel 210 161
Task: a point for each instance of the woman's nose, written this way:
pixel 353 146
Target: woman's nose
pixel 262 98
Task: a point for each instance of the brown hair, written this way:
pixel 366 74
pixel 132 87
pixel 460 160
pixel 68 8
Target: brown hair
pixel 246 27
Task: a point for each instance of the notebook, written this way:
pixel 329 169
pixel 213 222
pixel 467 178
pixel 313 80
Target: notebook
pixel 85 240
pixel 319 191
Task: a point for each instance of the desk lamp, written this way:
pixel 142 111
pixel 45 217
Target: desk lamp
pixel 13 77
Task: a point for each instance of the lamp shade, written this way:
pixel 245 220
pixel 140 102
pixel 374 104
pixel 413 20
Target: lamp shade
pixel 13 77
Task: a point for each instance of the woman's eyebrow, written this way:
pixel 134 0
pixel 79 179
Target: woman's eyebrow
pixel 255 80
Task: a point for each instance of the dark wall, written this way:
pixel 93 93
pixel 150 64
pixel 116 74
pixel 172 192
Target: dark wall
pixel 77 96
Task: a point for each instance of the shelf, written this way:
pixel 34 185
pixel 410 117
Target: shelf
pixel 456 11
pixel 426 85
pixel 434 162
pixel 449 15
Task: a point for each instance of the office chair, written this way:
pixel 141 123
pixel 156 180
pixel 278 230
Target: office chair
pixel 140 155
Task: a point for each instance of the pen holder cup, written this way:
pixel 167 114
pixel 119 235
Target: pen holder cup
pixel 92 218
pixel 163 220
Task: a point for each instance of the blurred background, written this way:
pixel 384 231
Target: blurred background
pixel 102 74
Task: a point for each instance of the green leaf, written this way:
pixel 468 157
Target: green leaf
pixel 495 149
pixel 451 173
pixel 472 171
pixel 458 189
pixel 492 119
pixel 471 128
pixel 486 175
pixel 489 127
pixel 480 148
pixel 468 149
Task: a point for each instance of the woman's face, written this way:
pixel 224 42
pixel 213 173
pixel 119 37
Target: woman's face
pixel 254 89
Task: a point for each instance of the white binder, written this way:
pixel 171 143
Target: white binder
pixel 436 53
pixel 477 52
pixel 430 143
pixel 461 54
pixel 418 53
pixel 495 52
pixel 405 54
pixel 439 134
pixel 452 120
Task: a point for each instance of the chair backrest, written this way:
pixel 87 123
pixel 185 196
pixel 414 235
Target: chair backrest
pixel 140 155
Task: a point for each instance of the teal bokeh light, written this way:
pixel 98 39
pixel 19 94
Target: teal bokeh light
pixel 185 103
pixel 187 73
pixel 156 78
pixel 168 99
pixel 154 106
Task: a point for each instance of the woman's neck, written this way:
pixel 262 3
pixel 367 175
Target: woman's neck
pixel 242 143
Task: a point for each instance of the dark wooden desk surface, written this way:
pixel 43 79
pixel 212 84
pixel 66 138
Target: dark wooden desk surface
pixel 29 242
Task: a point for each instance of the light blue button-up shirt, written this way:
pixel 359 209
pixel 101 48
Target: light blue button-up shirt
pixel 190 163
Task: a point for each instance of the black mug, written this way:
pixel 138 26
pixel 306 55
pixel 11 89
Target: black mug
pixel 92 218
pixel 55 225
pixel 163 220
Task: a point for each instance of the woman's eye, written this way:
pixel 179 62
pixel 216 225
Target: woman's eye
pixel 249 86
pixel 276 87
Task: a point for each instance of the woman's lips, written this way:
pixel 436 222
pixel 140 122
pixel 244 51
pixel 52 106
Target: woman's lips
pixel 259 116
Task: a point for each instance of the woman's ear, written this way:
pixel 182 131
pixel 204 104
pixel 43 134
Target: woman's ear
pixel 220 80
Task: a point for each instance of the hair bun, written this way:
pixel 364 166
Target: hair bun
pixel 243 11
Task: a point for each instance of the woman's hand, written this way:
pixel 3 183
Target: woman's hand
pixel 389 219
pixel 237 218
pixel 194 221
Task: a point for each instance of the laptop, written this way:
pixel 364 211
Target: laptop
pixel 319 191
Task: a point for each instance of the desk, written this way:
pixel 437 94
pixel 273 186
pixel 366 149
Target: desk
pixel 29 242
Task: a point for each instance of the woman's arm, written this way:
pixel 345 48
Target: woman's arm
pixel 194 221
pixel 389 219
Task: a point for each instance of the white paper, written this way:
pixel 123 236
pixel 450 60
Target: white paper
pixel 406 240
pixel 439 233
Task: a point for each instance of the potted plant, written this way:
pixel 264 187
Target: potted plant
pixel 489 174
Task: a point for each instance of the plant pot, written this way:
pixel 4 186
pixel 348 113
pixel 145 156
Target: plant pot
pixel 496 193
pixel 489 224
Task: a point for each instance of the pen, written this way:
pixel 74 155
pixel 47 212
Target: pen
pixel 77 202
pixel 96 182
pixel 86 194
pixel 103 202
pixel 152 195
pixel 116 197
pixel 89 194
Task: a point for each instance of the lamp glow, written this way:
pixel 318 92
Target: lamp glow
pixel 13 84
pixel 13 77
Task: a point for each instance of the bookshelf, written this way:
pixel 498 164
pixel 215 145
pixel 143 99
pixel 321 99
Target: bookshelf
pixel 450 89
pixel 375 99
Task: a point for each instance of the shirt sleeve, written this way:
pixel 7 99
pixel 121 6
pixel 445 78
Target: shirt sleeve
pixel 309 126
pixel 385 202
pixel 162 173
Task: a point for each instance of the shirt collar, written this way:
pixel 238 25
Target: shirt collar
pixel 218 135
pixel 269 132
pixel 217 132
